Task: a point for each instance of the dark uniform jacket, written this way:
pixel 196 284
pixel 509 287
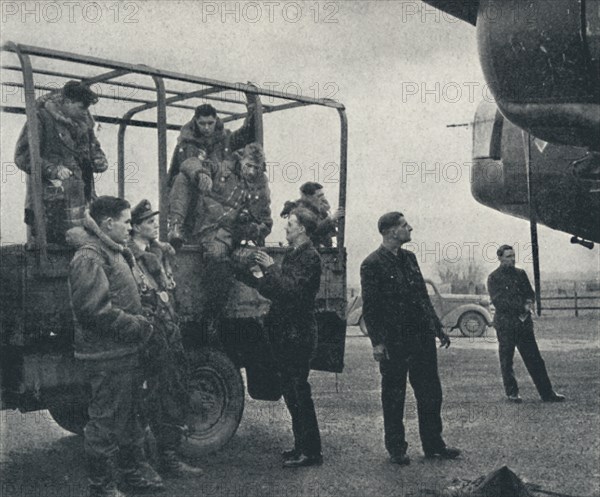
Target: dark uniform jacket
pixel 395 300
pixel 105 298
pixel 292 288
pixel 63 142
pixel 509 288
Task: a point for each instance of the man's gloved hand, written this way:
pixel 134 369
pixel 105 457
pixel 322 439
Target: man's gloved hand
pixel 251 97
pixel 138 332
pixel 99 163
pixel 204 183
pixel 339 213
pixel 191 167
pixel 63 173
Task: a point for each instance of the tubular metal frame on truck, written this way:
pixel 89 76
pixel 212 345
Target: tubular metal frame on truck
pixel 210 90
pixel 34 368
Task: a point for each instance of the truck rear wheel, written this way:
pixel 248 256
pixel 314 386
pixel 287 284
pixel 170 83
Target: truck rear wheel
pixel 216 399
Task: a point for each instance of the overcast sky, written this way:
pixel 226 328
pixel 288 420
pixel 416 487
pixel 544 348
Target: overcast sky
pixel 403 74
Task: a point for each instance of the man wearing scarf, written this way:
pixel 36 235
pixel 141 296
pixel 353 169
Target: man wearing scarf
pixel 204 138
pixel 166 400
pixel 111 332
pixel 70 155
pixel 231 216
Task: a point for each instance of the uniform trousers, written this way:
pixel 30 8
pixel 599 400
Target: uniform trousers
pixel 182 196
pixel 511 333
pixel 294 369
pixel 166 399
pixel 113 436
pixel 416 356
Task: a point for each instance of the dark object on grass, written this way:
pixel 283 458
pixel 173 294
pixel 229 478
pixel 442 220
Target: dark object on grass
pixel 501 482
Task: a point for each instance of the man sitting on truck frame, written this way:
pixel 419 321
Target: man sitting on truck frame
pixel 234 208
pixel 70 155
pixel 110 334
pixel 204 138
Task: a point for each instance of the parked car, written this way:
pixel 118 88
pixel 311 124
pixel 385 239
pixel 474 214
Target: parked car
pixel 471 314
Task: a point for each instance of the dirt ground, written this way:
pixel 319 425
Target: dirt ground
pixel 553 445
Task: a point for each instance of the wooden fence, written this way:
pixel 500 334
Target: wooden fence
pixel 577 303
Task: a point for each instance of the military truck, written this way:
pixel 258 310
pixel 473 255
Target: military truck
pixel 37 367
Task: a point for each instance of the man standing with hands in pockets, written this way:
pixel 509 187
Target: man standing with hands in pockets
pixel 512 296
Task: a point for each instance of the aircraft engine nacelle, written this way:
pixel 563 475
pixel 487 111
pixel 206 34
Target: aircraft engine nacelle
pixel 500 179
pixel 541 60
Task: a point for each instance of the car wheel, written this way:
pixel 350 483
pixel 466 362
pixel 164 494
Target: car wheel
pixel 363 326
pixel 216 401
pixel 472 324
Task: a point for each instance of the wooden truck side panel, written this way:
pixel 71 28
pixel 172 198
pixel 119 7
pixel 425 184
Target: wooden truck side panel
pixel 36 320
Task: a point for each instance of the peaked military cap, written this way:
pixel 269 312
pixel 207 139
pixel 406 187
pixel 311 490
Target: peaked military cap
pixel 143 210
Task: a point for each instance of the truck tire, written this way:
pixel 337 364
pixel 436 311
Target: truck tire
pixel 217 401
pixel 472 324
pixel 72 416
